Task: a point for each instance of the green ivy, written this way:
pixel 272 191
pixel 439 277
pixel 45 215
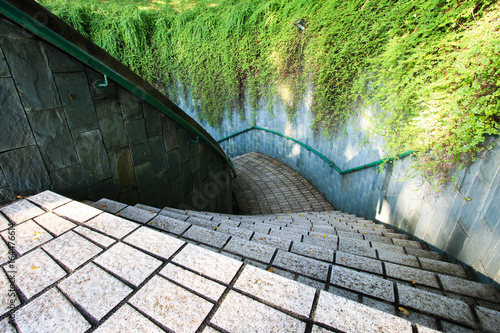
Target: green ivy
pixel 430 67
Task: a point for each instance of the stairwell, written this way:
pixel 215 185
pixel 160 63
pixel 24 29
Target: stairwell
pixel 108 266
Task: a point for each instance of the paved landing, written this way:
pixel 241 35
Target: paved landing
pixel 267 186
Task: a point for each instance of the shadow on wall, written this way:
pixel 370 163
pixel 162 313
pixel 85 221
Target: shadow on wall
pixel 467 231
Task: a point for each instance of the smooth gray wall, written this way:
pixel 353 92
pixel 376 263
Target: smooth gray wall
pixel 60 131
pixel 468 231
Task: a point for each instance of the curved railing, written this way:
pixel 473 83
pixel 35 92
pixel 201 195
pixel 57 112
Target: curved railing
pixel 323 157
pixel 93 56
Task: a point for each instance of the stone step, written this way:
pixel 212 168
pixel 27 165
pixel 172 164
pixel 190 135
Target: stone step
pixel 150 281
pixel 314 257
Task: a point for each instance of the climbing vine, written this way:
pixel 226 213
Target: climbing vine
pixel 431 67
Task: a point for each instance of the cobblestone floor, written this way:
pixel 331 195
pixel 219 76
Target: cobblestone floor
pixel 110 267
pixel 267 186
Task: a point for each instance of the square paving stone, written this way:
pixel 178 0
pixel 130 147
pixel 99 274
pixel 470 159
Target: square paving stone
pixel 26 236
pixel 94 290
pixel 77 211
pixel 51 312
pixel 49 200
pixel 398 258
pixel 137 214
pixel 411 274
pixel 206 236
pixel 154 242
pixel 362 282
pixel 434 304
pixel 128 263
pixel 279 291
pixel 358 262
pixel 302 265
pixel 277 242
pixel 35 272
pixel 128 320
pixel 112 225
pixel 208 263
pixel 21 211
pixel 171 305
pixel 470 288
pixel 4 223
pixel 8 296
pixel 53 223
pixel 109 206
pixel 72 250
pixel 169 224
pixel 238 311
pixel 250 249
pixel 350 316
pixel 196 282
pixel 489 319
pixel 313 251
pixel 95 236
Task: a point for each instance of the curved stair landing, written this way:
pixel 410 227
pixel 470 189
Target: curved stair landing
pixel 111 267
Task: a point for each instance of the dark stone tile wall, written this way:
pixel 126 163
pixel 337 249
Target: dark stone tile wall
pixel 61 131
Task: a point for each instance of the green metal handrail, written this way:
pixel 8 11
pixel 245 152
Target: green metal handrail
pixel 52 37
pixel 323 157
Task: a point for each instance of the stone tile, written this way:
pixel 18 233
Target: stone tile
pixel 407 243
pixel 255 227
pixel 358 262
pixel 203 223
pixel 250 249
pixel 169 224
pixel 35 272
pixel 388 247
pixel 174 214
pixel 26 236
pixel 423 329
pixel 489 319
pixel 305 266
pixel 5 325
pixel 279 291
pixel 452 328
pixel 357 249
pixel 470 288
pixel 148 208
pixel 313 251
pixel 72 250
pixel 349 316
pixel 423 253
pixel 362 282
pixel 208 263
pixel 398 258
pixel 110 119
pixel 276 242
pixel 256 317
pixel 378 239
pixel 53 223
pixel 154 242
pixel 21 211
pixel 112 225
pixel 8 296
pixel 411 274
pixel 128 320
pixel 49 200
pixel 77 211
pixel 349 234
pixel 94 290
pixel 286 235
pixel 93 157
pixel 209 329
pixel 442 267
pixel 434 304
pixel 95 236
pixel 109 206
pixel 321 242
pixel 233 231
pixel 51 312
pixel 171 305
pixel 5 252
pixel 4 223
pixel 128 263
pixel 136 214
pixel 379 305
pixel 317 329
pixel 196 282
pixel 206 236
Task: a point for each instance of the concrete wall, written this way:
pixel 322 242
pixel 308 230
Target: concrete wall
pixel 60 131
pixel 468 231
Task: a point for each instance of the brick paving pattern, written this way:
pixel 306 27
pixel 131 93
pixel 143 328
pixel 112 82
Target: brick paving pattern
pixel 267 186
pixel 206 272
